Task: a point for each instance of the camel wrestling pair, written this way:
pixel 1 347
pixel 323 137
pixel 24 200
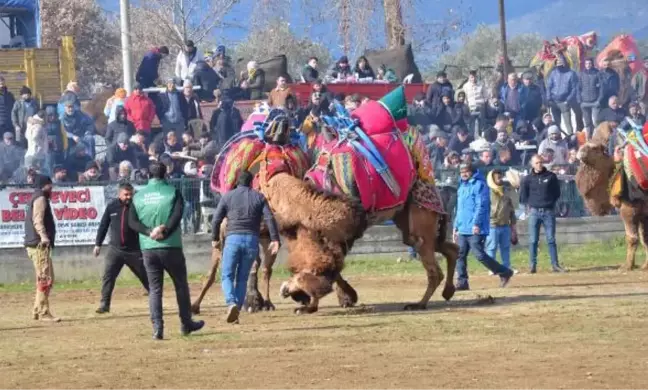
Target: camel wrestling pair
pixel 326 184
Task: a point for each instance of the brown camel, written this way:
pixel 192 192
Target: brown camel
pixel 320 228
pixel 604 185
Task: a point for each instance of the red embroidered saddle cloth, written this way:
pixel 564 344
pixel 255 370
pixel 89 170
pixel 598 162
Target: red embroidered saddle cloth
pixel 636 164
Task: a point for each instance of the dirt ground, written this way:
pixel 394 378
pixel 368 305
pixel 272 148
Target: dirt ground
pixel 579 330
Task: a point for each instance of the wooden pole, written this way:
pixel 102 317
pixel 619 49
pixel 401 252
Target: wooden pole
pixel 502 19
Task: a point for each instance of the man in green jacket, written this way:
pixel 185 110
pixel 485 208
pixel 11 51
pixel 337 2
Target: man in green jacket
pixel 156 216
pixel 502 218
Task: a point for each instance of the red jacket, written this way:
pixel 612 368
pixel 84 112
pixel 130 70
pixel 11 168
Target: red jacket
pixel 140 110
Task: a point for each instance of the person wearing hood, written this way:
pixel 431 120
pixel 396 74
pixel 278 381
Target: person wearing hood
pixel 502 231
pixel 91 174
pixel 472 225
pixel 439 88
pixel 148 70
pixel 77 161
pixel 79 127
pixel 7 102
pixel 115 101
pixel 121 150
pixel 539 191
pixel 341 70
pixel 386 74
pixel 187 60
pixel 70 95
pixel 438 149
pixel 57 137
pixel 22 110
pixel 11 157
pixel 121 125
pixel 37 141
pixel 461 110
pixel 225 122
pixel 208 80
pixel 174 107
pixel 554 141
pixel 255 80
pixel 445 113
pixel 491 111
pixel 563 94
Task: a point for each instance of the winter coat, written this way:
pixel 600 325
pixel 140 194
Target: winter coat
pixel 7 102
pixel 420 116
pixel 339 73
pixel 22 110
pixel 523 93
pixel 309 75
pixel 166 99
pixel 207 79
pixel 115 155
pixel 147 72
pixel 11 158
pixel 78 124
pixel 562 86
pixel 590 86
pixel 366 73
pixel 473 206
pixel 475 95
pixel 610 85
pixel 67 97
pixel 36 136
pixel 436 90
pixel 192 110
pixel 206 152
pixel 560 148
pixel 534 102
pixel 277 97
pixel 456 145
pixel 140 110
pixel 186 64
pixel 223 125
pixel 76 165
pixel 56 134
pixel 255 85
pixel 110 110
pixel 119 126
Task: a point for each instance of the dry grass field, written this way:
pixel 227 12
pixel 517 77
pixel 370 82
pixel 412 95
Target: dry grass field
pixel 584 329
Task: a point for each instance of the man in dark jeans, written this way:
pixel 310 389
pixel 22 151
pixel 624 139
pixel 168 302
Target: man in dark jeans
pixel 124 246
pixel 156 215
pixel 540 191
pixel 472 224
pixel 244 209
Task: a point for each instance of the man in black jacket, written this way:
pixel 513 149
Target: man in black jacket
pixel 437 89
pixel 40 232
pixel 540 191
pixel 591 94
pixel 124 246
pixel 244 209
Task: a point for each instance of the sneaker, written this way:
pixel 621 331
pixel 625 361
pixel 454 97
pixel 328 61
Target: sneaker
pixel 515 272
pixel 232 314
pixel 49 318
pixel 35 316
pixel 462 287
pixel 158 334
pixel 532 269
pixel 558 269
pixel 102 310
pixel 504 280
pixel 491 273
pixel 193 326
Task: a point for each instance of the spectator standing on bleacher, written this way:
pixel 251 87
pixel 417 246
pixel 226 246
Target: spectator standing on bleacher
pixel 563 94
pixel 207 78
pixel 174 107
pixel 438 89
pixel 148 70
pixel 192 108
pixel 491 111
pixel 7 102
pixel 277 97
pixel 540 191
pixel 514 97
pixel 419 113
pixel 21 111
pixel 224 123
pixel 140 110
pixel 472 224
pixel 309 73
pixel 255 80
pixel 610 83
pixel 445 115
pixel 591 92
pixel 475 92
pixel 37 141
pixel 534 99
pixel 186 61
pixel 11 157
pixel 461 110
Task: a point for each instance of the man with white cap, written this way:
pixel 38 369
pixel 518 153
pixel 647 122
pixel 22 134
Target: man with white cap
pixel 555 142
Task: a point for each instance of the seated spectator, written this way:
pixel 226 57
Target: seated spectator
pixel 504 158
pixel 548 158
pixel 485 159
pixel 467 156
pixel 171 144
pixel 341 70
pixel 255 80
pixel 352 102
pixel 37 141
pixel 208 80
pixel 362 69
pixel 11 157
pixel 461 140
pixel 501 124
pixel 309 73
pixel 120 125
pixel 613 112
pixel 125 172
pixel 438 149
pixel 452 160
pixel 541 125
pixel 419 113
pixel 277 97
pixel 117 100
pixel 492 110
pixel 226 121
pixel 462 112
pixel 121 150
pixel 635 116
pixel 76 162
pixel 174 108
pixel 23 108
pixel 556 144
pixel 514 97
pixel 386 74
pixel 91 174
pixel 326 97
pixel 70 95
pixel 525 134
pixel 140 110
pixel 60 174
pixel 572 157
pixel 204 150
pixel 79 127
pixel 503 141
pixel 192 105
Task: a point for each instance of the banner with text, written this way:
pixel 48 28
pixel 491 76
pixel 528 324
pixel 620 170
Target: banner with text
pixel 77 212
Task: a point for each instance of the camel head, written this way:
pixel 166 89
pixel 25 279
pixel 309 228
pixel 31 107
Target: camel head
pixel 593 177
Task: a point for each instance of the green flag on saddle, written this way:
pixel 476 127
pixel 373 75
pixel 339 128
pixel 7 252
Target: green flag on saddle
pixel 395 103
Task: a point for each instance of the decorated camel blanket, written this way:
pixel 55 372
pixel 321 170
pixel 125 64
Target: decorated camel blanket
pixel 635 156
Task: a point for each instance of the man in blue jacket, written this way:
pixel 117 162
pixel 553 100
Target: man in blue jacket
pixel 471 226
pixel 148 71
pixel 563 95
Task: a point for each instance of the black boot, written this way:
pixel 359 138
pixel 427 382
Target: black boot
pixel 158 331
pixel 102 309
pixel 191 327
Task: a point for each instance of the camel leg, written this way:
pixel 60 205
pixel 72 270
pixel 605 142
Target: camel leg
pixel 211 277
pixel 631 224
pixel 347 295
pixel 643 236
pixel 422 227
pixel 268 261
pixel 253 298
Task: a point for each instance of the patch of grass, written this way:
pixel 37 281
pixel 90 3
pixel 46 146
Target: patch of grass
pixel 589 256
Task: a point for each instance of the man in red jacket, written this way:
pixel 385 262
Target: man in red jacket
pixel 140 109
